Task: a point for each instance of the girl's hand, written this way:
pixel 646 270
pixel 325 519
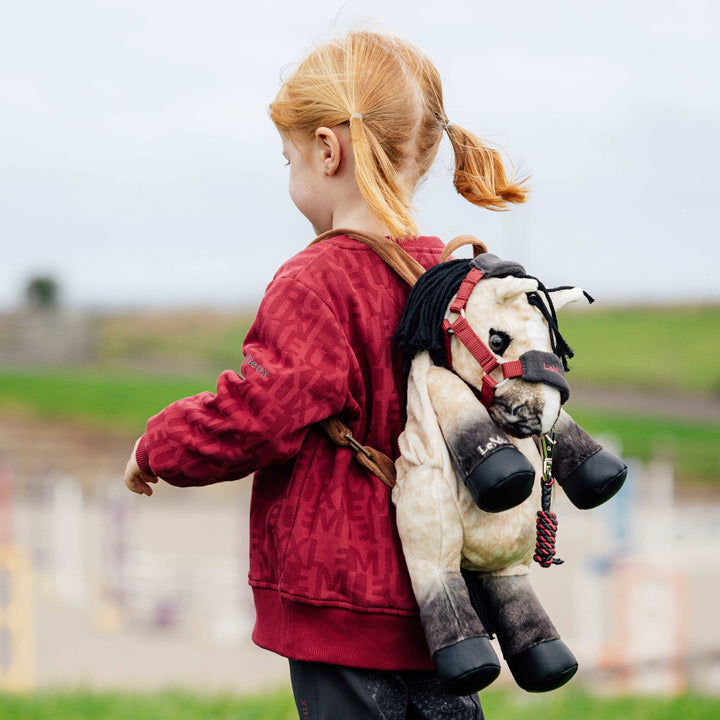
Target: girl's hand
pixel 135 479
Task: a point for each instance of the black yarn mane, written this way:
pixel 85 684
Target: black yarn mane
pixel 420 326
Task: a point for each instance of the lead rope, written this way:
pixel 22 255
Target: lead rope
pixel 547 522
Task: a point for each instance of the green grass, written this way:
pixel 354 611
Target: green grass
pixel 147 361
pixel 672 348
pixel 693 446
pixel 210 341
pixel 572 704
pixel 659 348
pixel 79 705
pixel 112 400
pixel 124 402
pixel 565 704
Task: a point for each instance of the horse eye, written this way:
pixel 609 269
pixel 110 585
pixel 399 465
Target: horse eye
pixel 499 341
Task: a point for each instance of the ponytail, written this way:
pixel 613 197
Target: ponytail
pixel 480 175
pixel 383 189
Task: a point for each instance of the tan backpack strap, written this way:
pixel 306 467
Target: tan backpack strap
pixel 404 264
pixel 479 246
pixel 409 270
pixel 375 461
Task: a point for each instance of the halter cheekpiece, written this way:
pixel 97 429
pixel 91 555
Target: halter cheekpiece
pixel 532 366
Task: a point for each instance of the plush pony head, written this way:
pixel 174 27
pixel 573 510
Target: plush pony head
pixel 513 315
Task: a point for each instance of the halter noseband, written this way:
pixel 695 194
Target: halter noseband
pixel 532 366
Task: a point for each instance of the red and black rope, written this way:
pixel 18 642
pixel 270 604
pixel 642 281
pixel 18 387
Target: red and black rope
pixel 546 523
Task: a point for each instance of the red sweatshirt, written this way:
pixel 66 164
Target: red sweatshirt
pixel 326 565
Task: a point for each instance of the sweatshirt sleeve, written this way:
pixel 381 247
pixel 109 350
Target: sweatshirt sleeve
pixel 295 373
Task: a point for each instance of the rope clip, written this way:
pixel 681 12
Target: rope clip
pixel 548 478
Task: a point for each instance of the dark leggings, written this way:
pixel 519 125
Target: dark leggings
pixel 335 692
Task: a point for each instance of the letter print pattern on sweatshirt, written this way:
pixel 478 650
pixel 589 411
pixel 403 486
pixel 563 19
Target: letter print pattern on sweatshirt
pixel 322 528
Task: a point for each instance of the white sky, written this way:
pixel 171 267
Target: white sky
pixel 139 167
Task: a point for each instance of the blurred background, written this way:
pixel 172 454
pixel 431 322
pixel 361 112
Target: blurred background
pixel 143 211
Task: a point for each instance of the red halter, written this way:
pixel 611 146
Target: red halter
pixel 534 366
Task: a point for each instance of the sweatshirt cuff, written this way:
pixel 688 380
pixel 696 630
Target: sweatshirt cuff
pixel 142 458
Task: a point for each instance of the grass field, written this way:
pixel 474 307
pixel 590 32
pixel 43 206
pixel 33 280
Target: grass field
pixel 671 348
pixel 116 400
pixel 122 400
pixel 497 705
pixel 145 362
pixel 693 446
pixel 132 706
pixel 206 341
pixel 656 348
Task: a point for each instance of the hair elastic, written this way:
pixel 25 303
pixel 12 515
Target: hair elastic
pixel 446 126
pixel 356 115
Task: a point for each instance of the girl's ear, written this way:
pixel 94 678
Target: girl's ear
pixel 329 148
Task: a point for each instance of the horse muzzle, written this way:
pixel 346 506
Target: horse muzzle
pixel 544 367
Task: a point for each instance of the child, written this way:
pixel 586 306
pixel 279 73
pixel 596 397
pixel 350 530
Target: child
pixel 360 120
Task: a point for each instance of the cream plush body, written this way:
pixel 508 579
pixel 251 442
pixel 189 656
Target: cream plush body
pixel 436 514
pixel 469 566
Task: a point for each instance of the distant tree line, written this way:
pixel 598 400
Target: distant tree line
pixel 42 292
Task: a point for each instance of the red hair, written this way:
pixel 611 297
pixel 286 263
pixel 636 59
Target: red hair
pixel 390 93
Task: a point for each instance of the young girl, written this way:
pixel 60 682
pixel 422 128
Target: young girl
pixel 360 120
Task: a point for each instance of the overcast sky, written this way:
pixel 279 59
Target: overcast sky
pixel 138 165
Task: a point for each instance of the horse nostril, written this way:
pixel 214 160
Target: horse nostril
pixel 516 410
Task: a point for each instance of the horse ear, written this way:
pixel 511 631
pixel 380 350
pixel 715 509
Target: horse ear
pixel 565 296
pixel 510 287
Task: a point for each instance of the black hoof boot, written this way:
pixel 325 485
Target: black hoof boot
pixel 543 667
pixel 595 481
pixel 467 666
pixel 501 481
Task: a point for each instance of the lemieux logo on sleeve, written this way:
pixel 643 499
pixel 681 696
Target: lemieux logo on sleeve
pixel 251 363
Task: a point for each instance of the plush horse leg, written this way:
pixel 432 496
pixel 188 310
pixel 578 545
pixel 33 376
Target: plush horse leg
pixel 431 535
pixel 495 472
pixel 538 659
pixel 431 532
pixel 589 474
pixel 465 661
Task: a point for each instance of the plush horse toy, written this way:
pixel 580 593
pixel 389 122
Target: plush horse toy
pixel 486 384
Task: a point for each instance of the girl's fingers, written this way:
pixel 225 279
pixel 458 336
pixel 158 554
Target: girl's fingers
pixel 139 484
pixel 135 479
